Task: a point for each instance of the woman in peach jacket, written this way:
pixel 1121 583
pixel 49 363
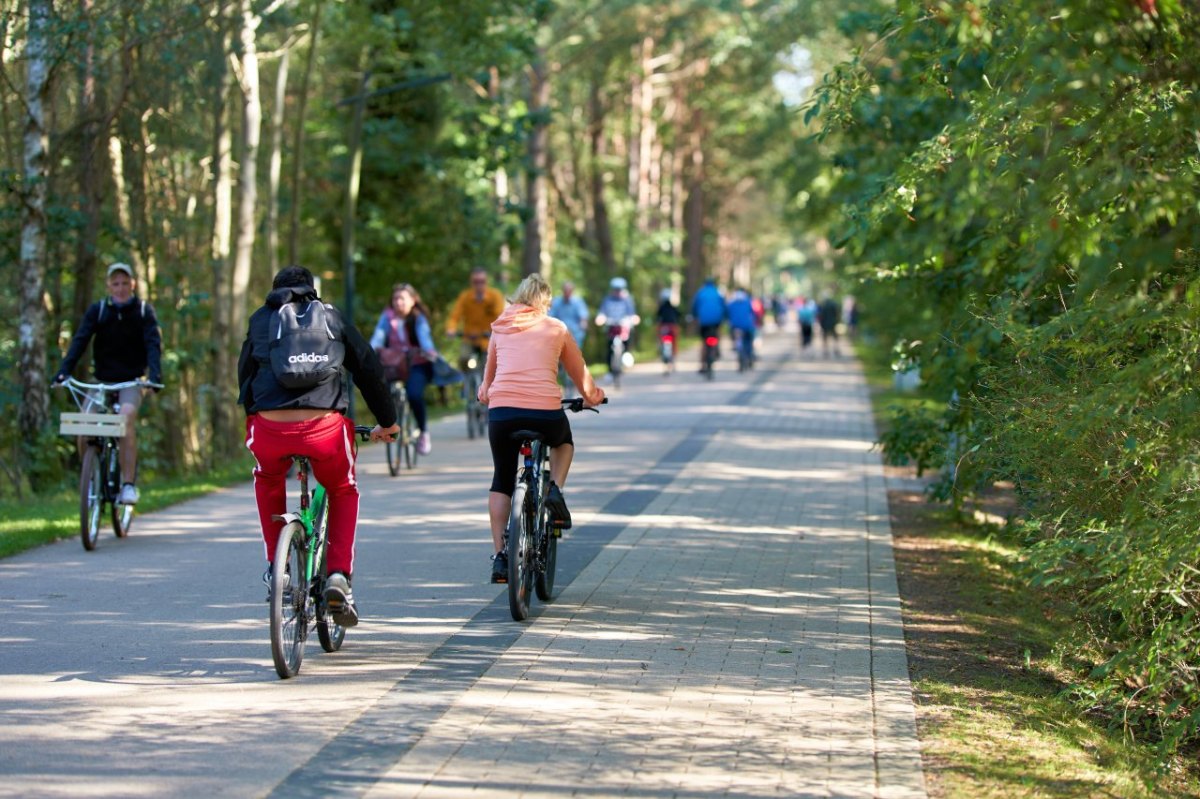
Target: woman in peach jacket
pixel 520 388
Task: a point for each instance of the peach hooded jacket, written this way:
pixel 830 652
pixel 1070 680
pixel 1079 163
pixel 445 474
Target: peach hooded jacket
pixel 522 362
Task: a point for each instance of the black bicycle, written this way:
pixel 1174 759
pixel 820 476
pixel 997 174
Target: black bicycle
pixel 100 428
pixel 298 577
pixel 404 449
pixel 472 363
pixel 530 540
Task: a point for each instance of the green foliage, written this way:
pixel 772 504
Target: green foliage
pixel 1022 186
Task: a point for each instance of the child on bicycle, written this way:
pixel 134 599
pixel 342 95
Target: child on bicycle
pixel 282 422
pixel 520 388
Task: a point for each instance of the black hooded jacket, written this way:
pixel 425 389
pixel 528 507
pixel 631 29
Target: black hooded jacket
pixel 259 391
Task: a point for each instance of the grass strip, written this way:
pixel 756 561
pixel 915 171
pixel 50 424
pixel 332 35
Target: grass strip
pixel 26 524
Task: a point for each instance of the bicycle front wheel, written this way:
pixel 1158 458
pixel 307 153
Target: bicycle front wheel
pixel 520 554
pixel 289 602
pixel 393 448
pixel 409 438
pixel 91 497
pixel 122 515
pixel 329 633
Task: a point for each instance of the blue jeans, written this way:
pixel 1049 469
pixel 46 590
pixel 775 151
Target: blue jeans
pixel 419 376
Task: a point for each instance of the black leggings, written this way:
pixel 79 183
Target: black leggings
pixel 555 430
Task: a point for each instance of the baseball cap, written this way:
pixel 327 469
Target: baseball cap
pixel 618 283
pixel 120 267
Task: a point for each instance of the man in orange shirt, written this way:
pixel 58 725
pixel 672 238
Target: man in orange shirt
pixel 475 310
pixel 520 388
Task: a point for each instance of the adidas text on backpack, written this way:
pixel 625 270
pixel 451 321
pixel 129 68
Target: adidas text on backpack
pixel 304 351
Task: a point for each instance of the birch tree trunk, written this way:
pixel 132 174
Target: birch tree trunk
pixel 276 162
pixel 223 375
pixel 535 170
pixel 31 339
pixel 247 175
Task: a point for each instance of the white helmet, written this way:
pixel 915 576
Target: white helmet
pixel 618 283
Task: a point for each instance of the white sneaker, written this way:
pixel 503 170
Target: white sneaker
pixel 129 494
pixel 424 445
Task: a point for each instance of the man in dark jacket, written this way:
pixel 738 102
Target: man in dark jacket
pixel 127 344
pixel 282 422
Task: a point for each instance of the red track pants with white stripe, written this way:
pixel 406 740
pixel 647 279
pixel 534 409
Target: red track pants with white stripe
pixel 329 444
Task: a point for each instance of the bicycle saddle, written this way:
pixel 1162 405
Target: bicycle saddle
pixel 526 435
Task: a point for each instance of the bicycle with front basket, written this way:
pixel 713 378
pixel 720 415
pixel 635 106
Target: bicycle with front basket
pixel 530 540
pixel 298 577
pixel 100 428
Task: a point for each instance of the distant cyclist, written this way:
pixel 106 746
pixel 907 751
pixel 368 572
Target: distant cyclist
pixel 473 313
pixel 520 388
pixel 283 422
pixel 617 314
pixel 570 309
pixel 743 322
pixel 127 343
pixel 404 341
pixel 708 309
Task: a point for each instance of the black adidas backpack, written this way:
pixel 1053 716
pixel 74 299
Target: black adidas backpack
pixel 304 350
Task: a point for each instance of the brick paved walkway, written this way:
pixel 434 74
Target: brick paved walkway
pixel 740 637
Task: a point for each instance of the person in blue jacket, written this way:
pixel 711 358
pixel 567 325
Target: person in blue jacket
pixel 708 309
pixel 742 321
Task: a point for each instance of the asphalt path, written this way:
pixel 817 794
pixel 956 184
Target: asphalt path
pixel 144 668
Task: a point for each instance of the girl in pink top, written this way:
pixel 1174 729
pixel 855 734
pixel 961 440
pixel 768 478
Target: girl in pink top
pixel 520 388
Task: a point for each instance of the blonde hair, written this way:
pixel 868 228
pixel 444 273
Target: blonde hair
pixel 535 292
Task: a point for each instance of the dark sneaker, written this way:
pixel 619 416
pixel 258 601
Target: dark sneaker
pixel 339 600
pixel 560 517
pixel 500 568
pixel 287 583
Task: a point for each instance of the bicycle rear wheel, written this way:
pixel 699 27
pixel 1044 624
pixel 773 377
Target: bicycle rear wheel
pixel 329 633
pixel 520 553
pixel 289 602
pixel 91 497
pixel 543 582
pixel 122 515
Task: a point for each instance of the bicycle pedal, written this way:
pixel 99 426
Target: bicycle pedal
pixel 556 532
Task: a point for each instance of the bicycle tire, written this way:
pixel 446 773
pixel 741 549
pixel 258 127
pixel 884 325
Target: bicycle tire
pixel 289 602
pixel 393 448
pixel 329 633
pixel 91 498
pixel 520 551
pixel 547 542
pixel 470 394
pixel 122 515
pixel 481 419
pixel 410 439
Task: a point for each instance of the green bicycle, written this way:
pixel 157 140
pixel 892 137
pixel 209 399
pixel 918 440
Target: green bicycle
pixel 298 577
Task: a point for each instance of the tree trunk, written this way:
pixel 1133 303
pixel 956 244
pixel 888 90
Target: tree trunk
pixel 646 136
pixel 247 175
pixel 297 153
pixel 276 162
pixel 224 434
pixel 31 338
pixel 535 170
pixel 353 182
pixel 693 212
pixel 500 182
pixel 599 151
pixel 90 136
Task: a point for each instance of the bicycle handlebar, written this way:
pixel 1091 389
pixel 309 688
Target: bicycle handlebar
pixel 575 405
pixel 139 383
